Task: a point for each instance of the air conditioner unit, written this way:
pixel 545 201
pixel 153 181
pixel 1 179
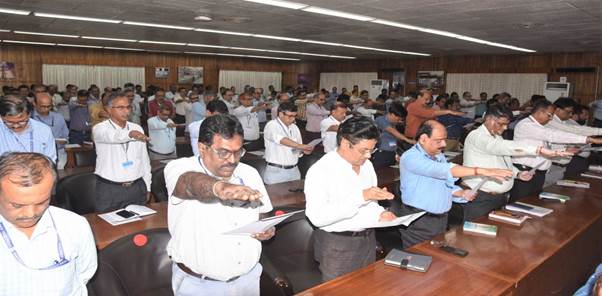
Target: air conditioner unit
pixel 376 87
pixel 555 90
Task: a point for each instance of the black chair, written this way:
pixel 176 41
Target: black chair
pixel 85 158
pixel 127 269
pixel 258 163
pixel 184 150
pixel 158 188
pixel 307 161
pixel 77 193
pixel 288 259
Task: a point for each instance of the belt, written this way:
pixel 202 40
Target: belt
pixel 166 154
pixel 122 184
pixel 417 210
pixel 286 167
pixel 365 232
pixel 188 271
pixel 523 167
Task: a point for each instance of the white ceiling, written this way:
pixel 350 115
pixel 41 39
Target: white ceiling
pixel 556 25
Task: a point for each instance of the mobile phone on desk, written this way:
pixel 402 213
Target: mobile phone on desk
pixel 455 251
pixel 125 214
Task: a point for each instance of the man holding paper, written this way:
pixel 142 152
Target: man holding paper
pixel 427 183
pixel 485 147
pixel 533 131
pixel 341 200
pixel 210 195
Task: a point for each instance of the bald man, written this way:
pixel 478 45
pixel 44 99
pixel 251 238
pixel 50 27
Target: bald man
pixel 56 122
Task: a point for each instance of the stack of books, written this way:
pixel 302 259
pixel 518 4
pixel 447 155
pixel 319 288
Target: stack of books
pixel 479 228
pixel 595 168
pixel 505 216
pixel 554 196
pixel 529 209
pixel 573 183
pixel 592 174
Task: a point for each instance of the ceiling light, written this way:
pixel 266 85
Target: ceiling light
pixel 386 50
pixel 337 13
pixel 322 42
pixel 272 58
pixel 123 48
pixel 79 18
pixel 249 49
pixel 342 57
pixel 161 42
pixel 14 11
pixel 28 42
pixel 203 18
pixel 200 52
pixel 276 37
pixel 163 51
pixel 230 55
pixel 314 54
pixel 206 45
pixel 78 45
pixel 108 39
pixel 46 34
pixel 158 25
pixel 4 31
pixel 285 4
pixel 283 51
pixel 222 32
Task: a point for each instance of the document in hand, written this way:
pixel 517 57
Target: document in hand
pixel 315 142
pixel 403 220
pixel 261 225
pixel 128 214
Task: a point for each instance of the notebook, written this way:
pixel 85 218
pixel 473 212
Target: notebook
pixel 408 261
pixel 508 217
pixel 529 209
pixel 479 228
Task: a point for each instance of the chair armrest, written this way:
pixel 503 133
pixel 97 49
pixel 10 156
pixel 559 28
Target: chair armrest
pixel 278 281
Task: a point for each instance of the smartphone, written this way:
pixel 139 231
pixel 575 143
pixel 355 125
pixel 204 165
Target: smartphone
pixel 125 214
pixel 455 251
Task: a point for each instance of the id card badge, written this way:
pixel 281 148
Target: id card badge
pixel 392 144
pixel 128 164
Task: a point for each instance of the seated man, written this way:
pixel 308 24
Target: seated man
pixel 45 250
pixel 210 195
pixel 389 135
pixel 454 124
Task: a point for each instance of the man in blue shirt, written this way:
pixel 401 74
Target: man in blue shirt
pixel 56 122
pixel 427 183
pixel 454 124
pixel 389 135
pixel 18 133
pixel 79 126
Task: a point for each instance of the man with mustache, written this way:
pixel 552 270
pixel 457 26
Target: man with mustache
pixel 427 183
pixel 210 195
pixel 44 250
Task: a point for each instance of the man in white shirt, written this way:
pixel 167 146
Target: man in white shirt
pixel 162 134
pixel 45 250
pixel 342 200
pixel 259 99
pixel 169 95
pixel 181 101
pixel 468 105
pixel 210 195
pixel 283 146
pixel 123 168
pixel 247 114
pixel 484 147
pixel 227 97
pixel 214 107
pixel 532 130
pixel 330 125
pixel 367 109
pixel 315 113
pixel 136 109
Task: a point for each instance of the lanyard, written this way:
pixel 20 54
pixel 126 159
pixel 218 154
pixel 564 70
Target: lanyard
pixel 207 172
pixel 30 141
pixel 59 245
pixel 41 120
pixel 125 146
pixel 284 129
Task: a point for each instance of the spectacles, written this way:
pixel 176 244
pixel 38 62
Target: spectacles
pixel 122 108
pixel 44 106
pixel 16 124
pixel 225 154
pixel 290 115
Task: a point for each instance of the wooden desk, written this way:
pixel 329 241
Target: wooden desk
pixel 552 255
pixel 443 278
pixel 155 164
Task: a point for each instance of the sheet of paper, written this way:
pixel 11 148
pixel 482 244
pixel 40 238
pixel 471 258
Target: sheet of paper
pixel 261 225
pixel 258 152
pixel 315 142
pixel 403 220
pixel 72 146
pixel 474 190
pixel 532 171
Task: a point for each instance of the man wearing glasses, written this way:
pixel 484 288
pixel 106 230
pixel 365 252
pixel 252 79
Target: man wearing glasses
pixel 342 199
pixel 283 146
pixel 43 104
pixel 44 250
pixel 533 130
pixel 210 195
pixel 19 133
pixel 122 164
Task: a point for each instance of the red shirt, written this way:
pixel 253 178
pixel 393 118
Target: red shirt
pixel 417 114
pixel 153 107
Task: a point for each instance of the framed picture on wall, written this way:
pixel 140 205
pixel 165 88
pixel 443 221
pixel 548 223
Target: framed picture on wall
pixel 161 72
pixel 304 80
pixel 7 70
pixel 190 75
pixel 431 79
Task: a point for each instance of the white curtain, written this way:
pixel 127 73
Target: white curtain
pixel 84 75
pixel 520 85
pixel 255 79
pixel 347 80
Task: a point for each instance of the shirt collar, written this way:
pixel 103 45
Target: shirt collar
pixel 334 119
pixel 534 120
pixel 423 152
pixel 206 170
pixel 555 118
pixel 44 225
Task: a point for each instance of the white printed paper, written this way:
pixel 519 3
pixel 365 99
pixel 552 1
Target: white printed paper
pixel 261 225
pixel 403 220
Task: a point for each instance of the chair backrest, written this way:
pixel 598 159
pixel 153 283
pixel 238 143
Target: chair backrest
pixel 257 163
pixel 85 158
pixel 134 265
pixel 184 150
pixel 307 161
pixel 77 193
pixel 158 187
pixel 294 235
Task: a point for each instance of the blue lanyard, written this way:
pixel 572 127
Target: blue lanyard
pixel 289 133
pixel 59 245
pixel 30 141
pixel 41 120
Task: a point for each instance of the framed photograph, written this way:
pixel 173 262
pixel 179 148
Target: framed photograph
pixel 7 70
pixel 161 72
pixel 304 80
pixel 431 79
pixel 190 75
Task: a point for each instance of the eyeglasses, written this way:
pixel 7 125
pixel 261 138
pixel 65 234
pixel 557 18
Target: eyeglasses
pixel 16 124
pixel 225 154
pixel 289 115
pixel 44 106
pixel 364 152
pixel 122 108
